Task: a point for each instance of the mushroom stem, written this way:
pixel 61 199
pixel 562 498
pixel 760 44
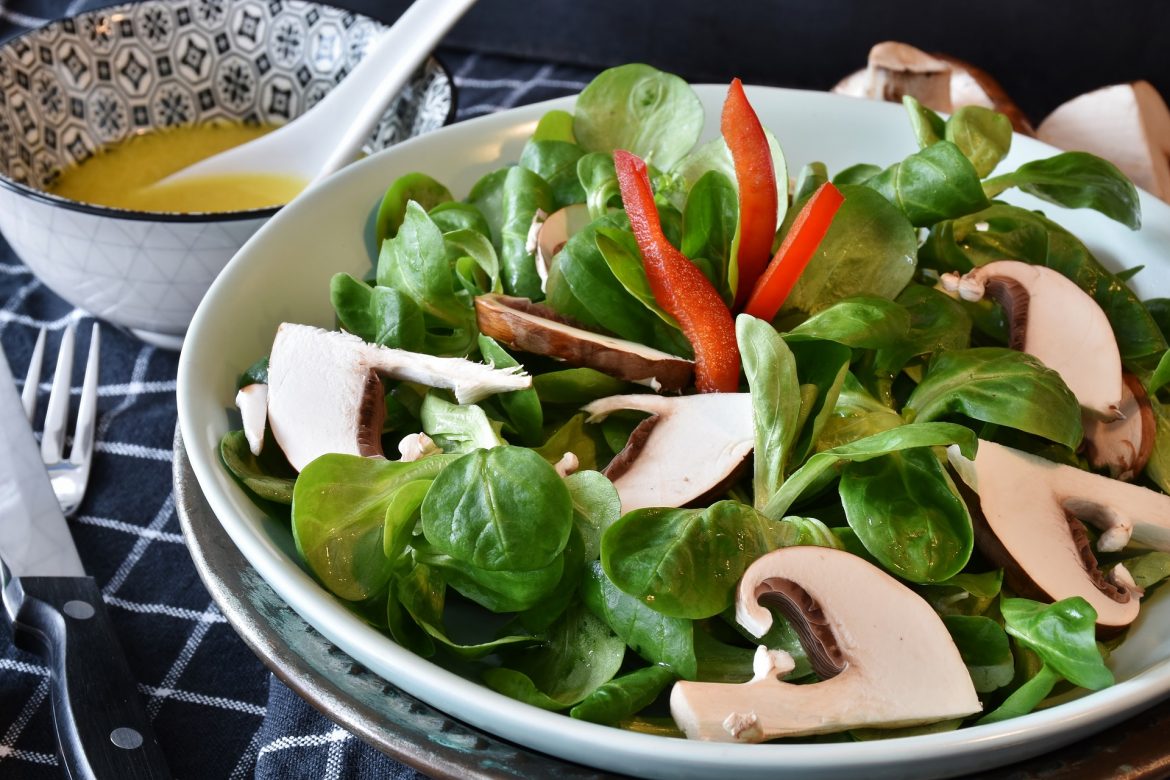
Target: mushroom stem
pixel 1026 502
pixel 416 446
pixel 894 663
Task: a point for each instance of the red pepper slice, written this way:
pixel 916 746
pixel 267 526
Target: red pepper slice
pixel 802 240
pixel 678 285
pixel 755 174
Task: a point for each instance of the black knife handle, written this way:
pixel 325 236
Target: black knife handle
pixel 102 727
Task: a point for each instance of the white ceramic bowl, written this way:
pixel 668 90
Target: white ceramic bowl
pixel 78 84
pixel 278 276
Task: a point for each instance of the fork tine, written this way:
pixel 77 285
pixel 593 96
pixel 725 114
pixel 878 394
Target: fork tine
pixel 82 449
pixel 32 380
pixel 57 413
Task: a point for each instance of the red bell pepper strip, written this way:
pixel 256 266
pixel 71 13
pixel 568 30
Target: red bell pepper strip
pixel 678 285
pixel 755 174
pixel 797 248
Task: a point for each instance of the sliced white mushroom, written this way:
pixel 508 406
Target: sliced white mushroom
pixel 538 218
pixel 938 81
pixel 884 657
pixel 530 327
pixel 1027 521
pixel 689 447
pixel 325 394
pixel 252 401
pixel 1053 319
pixel 1123 446
pixel 1127 124
pixel 553 232
pixel 897 69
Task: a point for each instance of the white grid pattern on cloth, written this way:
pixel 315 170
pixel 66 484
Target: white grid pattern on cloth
pixel 141 387
pixel 138 391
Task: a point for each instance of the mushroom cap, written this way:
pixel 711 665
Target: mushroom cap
pixel 938 81
pixel 1057 322
pixel 1127 124
pixel 1023 523
pixel 690 446
pixel 898 69
pixel 972 86
pixel 898 665
pixel 325 394
pixel 322 395
pixel 530 327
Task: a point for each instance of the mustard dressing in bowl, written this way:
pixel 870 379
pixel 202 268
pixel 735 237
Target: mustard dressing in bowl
pixel 124 174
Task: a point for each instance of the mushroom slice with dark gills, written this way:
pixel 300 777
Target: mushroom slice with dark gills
pixel 884 657
pixel 1052 318
pixel 689 447
pixel 1123 446
pixel 1028 517
pixel 531 327
pixel 325 392
pixel 938 81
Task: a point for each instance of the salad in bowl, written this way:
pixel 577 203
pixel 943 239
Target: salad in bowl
pixel 641 431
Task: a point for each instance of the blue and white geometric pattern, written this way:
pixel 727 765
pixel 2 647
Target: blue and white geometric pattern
pixel 76 85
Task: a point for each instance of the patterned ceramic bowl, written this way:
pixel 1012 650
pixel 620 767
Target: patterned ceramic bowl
pixel 79 84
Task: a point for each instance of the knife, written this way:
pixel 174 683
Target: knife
pixel 56 611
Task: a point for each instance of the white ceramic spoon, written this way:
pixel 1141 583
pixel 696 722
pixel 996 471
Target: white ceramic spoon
pixel 330 134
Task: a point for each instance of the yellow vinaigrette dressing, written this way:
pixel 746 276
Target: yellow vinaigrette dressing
pixel 122 175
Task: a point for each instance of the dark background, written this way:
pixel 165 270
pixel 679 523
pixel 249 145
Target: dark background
pixel 1042 51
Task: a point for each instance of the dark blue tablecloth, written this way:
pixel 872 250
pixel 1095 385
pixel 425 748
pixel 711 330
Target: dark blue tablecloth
pixel 217 711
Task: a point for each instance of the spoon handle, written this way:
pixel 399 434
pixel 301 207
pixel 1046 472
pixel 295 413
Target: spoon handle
pixel 382 72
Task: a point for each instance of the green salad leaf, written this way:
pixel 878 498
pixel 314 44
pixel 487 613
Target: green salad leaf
pixel 652 554
pixel 418 187
pixel 1076 180
pixel 339 509
pixel 623 696
pixel 655 115
pixel 907 512
pixel 658 638
pixel 999 386
pixel 870 249
pixel 933 184
pixel 499 509
pixel 983 136
pixel 579 655
pixel 1063 635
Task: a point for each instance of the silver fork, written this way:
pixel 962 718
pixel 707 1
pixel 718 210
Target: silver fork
pixel 69 477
